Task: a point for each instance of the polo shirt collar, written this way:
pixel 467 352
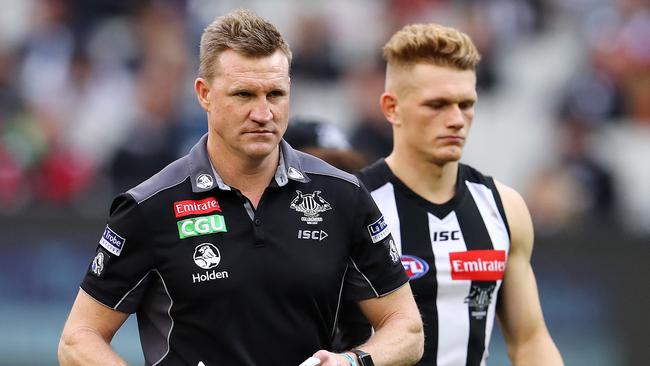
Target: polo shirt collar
pixel 204 176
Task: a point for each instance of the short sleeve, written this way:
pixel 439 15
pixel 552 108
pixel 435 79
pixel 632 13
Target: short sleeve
pixel 118 274
pixel 375 268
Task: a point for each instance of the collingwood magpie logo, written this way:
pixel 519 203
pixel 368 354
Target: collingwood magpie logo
pixel 311 205
pixel 479 299
pixel 97 267
pixel 394 254
pixel 207 256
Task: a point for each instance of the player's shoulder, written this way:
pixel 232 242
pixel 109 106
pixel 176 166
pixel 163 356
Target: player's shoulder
pixel 511 198
pixel 375 175
pixel 316 168
pixel 172 175
pixel 470 174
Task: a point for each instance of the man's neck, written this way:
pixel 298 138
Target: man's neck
pixel 433 182
pixel 249 176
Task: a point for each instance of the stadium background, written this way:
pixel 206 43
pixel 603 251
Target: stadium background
pixel 97 95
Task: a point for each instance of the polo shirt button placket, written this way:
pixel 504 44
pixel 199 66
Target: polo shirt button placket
pixel 258 233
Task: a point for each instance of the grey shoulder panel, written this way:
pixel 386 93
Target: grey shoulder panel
pixel 172 175
pixel 313 165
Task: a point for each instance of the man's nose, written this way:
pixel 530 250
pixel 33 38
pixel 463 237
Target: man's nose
pixel 455 117
pixel 261 112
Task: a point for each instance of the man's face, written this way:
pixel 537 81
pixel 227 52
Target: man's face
pixel 434 110
pixel 247 103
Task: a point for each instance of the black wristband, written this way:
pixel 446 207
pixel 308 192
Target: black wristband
pixel 364 358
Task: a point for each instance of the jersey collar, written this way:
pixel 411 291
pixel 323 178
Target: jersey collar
pixel 204 176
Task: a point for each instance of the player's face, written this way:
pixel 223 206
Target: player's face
pixel 435 109
pixel 247 103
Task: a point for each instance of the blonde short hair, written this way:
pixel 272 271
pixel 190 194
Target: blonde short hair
pixel 241 31
pixel 432 43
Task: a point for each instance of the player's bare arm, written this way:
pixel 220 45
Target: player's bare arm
pixel 398 338
pixel 88 332
pixel 519 310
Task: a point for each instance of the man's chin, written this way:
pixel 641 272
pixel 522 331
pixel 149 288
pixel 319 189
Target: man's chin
pixel 261 150
pixel 446 158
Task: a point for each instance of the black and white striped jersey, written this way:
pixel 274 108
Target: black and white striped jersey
pixel 455 255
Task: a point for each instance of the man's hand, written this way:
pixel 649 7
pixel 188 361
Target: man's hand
pixel 331 359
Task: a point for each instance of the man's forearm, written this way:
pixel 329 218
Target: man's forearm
pixel 539 350
pixel 397 342
pixel 86 347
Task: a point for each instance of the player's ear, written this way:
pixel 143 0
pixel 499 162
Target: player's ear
pixel 388 104
pixel 202 89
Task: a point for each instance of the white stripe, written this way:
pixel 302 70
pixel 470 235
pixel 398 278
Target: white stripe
pixel 364 276
pixel 453 322
pixel 338 304
pixel 384 196
pixel 494 223
pixel 496 228
pixel 171 303
pixel 334 176
pixel 131 290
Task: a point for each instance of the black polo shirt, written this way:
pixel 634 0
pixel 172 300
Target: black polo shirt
pixel 213 280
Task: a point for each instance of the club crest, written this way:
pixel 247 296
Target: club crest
pixel 310 205
pixel 479 299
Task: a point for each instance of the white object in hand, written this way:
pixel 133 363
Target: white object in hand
pixel 311 361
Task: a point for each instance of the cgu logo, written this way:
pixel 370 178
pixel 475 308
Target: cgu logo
pixel 201 226
pixel 415 267
pixel 445 235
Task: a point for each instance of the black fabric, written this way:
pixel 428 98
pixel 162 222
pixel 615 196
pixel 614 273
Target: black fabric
pixel 238 290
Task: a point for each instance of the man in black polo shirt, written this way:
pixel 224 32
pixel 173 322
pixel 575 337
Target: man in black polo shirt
pixel 237 254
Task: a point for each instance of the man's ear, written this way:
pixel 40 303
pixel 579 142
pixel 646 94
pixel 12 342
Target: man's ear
pixel 202 89
pixel 389 106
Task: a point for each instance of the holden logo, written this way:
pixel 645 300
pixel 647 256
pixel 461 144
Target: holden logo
pixel 295 173
pixel 206 256
pixel 204 181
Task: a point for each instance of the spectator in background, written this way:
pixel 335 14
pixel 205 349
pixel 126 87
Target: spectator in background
pixel 314 56
pixel 153 138
pixel 324 141
pixel 371 135
pixel 576 189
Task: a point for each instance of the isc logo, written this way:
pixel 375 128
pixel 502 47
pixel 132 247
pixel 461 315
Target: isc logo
pixel 445 235
pixel 312 234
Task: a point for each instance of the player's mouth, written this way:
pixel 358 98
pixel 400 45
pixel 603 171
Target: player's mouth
pixel 452 139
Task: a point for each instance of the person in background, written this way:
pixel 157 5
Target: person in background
pixel 237 253
pixel 465 239
pixel 324 141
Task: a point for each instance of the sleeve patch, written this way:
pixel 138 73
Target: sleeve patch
pixel 112 242
pixel 378 230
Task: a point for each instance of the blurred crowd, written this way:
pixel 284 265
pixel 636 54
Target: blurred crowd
pixel 96 96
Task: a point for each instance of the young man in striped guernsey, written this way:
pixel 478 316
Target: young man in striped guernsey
pixel 465 239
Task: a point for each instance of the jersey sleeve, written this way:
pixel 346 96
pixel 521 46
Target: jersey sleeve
pixel 375 268
pixel 118 274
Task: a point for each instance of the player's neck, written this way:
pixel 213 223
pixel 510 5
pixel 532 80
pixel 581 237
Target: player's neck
pixel 433 182
pixel 249 176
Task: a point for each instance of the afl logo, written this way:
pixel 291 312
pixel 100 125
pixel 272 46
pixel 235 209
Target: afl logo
pixel 207 256
pixel 415 267
pixel 204 181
